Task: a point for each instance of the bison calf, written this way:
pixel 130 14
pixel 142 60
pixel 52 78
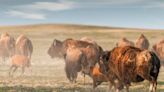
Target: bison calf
pixel 19 61
pixel 97 76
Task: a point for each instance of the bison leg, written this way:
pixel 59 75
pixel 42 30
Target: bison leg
pixel 110 86
pixel 10 70
pixel 30 69
pixel 94 83
pixel 153 86
pixel 3 59
pixel 84 78
pixel 68 74
pixel 15 68
pixel 127 88
pixel 118 85
pixel 23 68
pixel 117 90
pixel 74 77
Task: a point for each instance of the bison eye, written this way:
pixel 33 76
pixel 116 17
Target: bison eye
pixel 107 58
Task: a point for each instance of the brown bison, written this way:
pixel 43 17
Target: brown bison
pixel 91 51
pixel 124 65
pixel 158 48
pixel 74 62
pixel 19 61
pixel 124 42
pixel 142 42
pixel 7 46
pixel 24 46
pixel 58 48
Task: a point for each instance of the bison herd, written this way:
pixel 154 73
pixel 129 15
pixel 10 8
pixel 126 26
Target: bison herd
pixel 128 62
pixel 19 51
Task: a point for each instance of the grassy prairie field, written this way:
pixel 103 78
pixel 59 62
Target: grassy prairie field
pixel 48 74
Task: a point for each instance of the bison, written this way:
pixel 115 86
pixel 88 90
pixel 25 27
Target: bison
pixel 7 46
pixel 19 61
pixel 24 46
pixel 59 48
pixel 124 42
pixel 91 51
pixel 124 65
pixel 97 76
pixel 158 48
pixel 142 42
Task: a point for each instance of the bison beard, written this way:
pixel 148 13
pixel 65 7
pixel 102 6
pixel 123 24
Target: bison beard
pixel 130 64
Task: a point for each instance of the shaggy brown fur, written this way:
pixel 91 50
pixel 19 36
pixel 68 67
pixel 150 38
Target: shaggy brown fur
pixel 91 57
pixel 74 60
pixel 130 64
pixel 142 42
pixel 7 46
pixel 19 61
pixel 24 46
pixel 124 42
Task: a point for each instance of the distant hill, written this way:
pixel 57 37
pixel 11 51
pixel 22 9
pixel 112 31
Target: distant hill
pixel 69 27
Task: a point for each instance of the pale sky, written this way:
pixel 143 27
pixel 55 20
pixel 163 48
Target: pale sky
pixel 115 13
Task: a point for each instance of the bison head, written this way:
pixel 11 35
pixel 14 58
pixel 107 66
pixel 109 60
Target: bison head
pixel 144 61
pixel 148 62
pixel 55 50
pixel 103 63
pixel 154 48
pixel 143 58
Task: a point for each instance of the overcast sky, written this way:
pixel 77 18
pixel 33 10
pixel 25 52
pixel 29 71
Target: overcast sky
pixel 118 13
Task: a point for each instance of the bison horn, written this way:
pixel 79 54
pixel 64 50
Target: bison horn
pixel 54 42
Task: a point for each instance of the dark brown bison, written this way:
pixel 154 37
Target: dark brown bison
pixel 124 65
pixel 158 48
pixel 142 42
pixel 58 49
pixel 24 46
pixel 124 42
pixel 7 46
pixel 74 62
pixel 91 51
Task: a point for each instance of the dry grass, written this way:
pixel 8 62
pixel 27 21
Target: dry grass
pixel 48 74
